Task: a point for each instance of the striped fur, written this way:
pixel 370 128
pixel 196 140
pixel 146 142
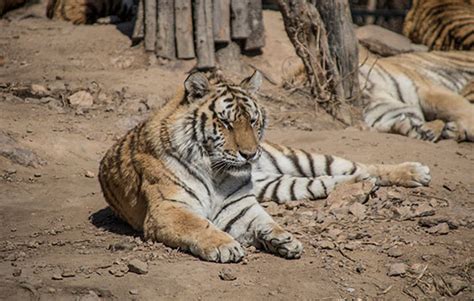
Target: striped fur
pixel 422 95
pixel 193 174
pixel 89 11
pixel 441 24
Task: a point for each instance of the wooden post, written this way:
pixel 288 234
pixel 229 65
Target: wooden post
pixel 337 19
pixel 256 39
pixel 184 29
pixel 221 22
pixel 139 27
pixel 204 34
pixel 150 25
pixel 165 38
pixel 240 19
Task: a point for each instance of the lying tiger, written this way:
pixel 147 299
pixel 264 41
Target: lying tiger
pixel 441 24
pixel 192 175
pixel 424 95
pixel 90 11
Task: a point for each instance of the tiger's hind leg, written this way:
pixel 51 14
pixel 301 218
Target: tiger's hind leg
pixel 283 174
pixel 454 109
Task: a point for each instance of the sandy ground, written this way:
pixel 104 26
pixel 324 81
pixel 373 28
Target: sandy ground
pixel 58 240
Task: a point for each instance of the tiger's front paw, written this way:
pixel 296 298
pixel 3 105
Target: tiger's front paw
pixel 280 242
pixel 223 253
pixel 432 130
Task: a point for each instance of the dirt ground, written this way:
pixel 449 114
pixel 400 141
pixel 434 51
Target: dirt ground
pixel 68 92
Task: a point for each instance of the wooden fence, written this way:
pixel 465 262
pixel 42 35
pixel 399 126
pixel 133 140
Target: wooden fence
pixel 187 29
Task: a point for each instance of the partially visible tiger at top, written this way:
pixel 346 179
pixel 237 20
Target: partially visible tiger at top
pixel 424 95
pixel 90 11
pixel 192 175
pixel 441 24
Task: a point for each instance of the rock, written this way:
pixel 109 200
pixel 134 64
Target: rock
pixel 433 221
pixel 91 296
pixel 384 42
pixel 89 174
pixel 397 269
pixel 395 252
pixel 137 266
pixel 455 284
pixel 227 275
pixel 122 246
pixel 348 193
pixel 133 292
pixel 16 272
pixel 340 213
pixel 440 229
pixel 68 273
pixel 334 233
pixel 325 244
pixel 358 210
pixel 320 217
pixel 424 210
pixel 10 149
pixel 81 99
pixel 38 89
pixel 57 276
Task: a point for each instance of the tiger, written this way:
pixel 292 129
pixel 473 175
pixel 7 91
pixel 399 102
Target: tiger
pixel 193 175
pixel 441 24
pixel 423 95
pixel 90 11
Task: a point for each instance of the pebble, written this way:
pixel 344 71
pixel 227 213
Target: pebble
pixel 227 275
pixel 137 266
pixel 395 252
pixel 38 89
pixel 133 292
pixel 89 174
pixel 68 274
pixel 397 269
pixel 325 245
pixel 358 210
pixel 16 272
pixel 81 99
pixel 57 276
pixel 424 210
pixel 440 229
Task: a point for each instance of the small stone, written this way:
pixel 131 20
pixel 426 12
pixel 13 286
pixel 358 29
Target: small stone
pixel 68 274
pixel 38 89
pixel 89 174
pixel 325 244
pixel 424 210
pixel 81 99
pixel 397 269
pixel 440 229
pixel 350 290
pixel 358 210
pixel 137 266
pixel 334 233
pixel 133 292
pixel 57 276
pixel 91 296
pixel 16 272
pixel 456 285
pixel 227 275
pixel 37 175
pixel 395 252
pixel 51 290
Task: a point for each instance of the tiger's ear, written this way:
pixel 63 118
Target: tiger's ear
pixel 252 83
pixel 196 85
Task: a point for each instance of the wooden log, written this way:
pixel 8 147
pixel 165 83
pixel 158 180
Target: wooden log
pixel 150 24
pixel 256 39
pixel 184 29
pixel 337 18
pixel 165 37
pixel 204 34
pixel 221 21
pixel 240 19
pixel 139 27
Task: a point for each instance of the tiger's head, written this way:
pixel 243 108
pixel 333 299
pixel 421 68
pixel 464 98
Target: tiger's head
pixel 226 119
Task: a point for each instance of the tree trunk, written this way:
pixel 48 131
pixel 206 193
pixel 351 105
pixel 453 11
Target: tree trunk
pixel 306 30
pixel 184 29
pixel 165 41
pixel 139 27
pixel 336 16
pixel 204 34
pixel 240 19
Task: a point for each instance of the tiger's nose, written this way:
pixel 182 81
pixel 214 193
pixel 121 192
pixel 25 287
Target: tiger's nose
pixel 248 155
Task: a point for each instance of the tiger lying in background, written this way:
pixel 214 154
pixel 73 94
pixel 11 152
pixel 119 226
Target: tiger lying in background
pixel 423 95
pixel 89 11
pixel 193 174
pixel 441 24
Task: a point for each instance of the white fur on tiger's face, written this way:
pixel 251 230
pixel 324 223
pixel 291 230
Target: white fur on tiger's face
pixel 424 95
pixel 192 175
